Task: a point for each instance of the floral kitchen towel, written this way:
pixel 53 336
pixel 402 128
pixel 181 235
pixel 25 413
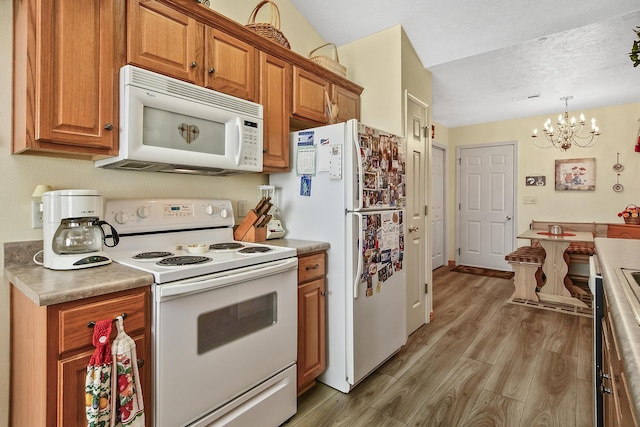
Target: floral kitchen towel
pixel 127 407
pixel 98 380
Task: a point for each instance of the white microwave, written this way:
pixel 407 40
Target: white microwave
pixel 167 125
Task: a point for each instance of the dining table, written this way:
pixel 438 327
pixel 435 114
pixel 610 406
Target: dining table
pixel 555 267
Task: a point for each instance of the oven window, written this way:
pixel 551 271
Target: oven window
pixel 230 323
pixel 182 132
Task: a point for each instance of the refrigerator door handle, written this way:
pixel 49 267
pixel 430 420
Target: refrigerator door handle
pixel 360 180
pixel 356 280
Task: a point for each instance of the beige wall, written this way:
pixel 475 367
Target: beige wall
pixel 374 62
pixel 619 126
pixel 19 174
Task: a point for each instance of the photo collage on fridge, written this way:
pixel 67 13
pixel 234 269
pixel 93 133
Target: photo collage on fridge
pixel 383 159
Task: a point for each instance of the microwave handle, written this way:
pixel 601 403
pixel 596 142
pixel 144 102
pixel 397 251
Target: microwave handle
pixel 239 141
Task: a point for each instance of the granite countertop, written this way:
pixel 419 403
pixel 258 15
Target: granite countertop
pixel 302 247
pixel 614 254
pixel 46 287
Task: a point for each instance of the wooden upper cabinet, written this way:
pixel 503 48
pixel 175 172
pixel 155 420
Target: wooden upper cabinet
pixel 230 65
pixel 348 103
pixel 164 40
pixel 66 60
pixel 309 94
pixel 275 97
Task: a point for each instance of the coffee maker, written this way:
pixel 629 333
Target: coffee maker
pixel 72 230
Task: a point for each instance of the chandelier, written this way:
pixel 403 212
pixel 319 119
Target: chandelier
pixel 568 131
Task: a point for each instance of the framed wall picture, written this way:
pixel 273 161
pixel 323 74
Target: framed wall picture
pixel 576 174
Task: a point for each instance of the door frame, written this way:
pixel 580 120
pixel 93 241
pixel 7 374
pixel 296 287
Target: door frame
pixel 445 201
pixel 514 220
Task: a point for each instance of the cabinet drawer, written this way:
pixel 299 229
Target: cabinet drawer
pixel 74 333
pixel 311 267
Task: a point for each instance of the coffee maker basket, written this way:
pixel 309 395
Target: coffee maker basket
pixel 270 30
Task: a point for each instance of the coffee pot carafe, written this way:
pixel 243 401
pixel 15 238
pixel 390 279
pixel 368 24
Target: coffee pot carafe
pixel 80 236
pixel 73 234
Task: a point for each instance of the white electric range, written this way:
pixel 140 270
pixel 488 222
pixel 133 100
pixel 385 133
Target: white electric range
pixel 224 320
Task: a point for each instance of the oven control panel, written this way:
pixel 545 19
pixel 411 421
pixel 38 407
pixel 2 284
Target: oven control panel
pixel 145 215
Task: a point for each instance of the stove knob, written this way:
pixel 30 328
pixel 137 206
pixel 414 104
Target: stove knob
pixel 224 213
pixel 143 211
pixel 122 217
pixel 210 210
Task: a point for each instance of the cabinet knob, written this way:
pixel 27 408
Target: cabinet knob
pixel 108 126
pixel 312 267
pixel 323 293
pixel 265 151
pixel 194 64
pixel 212 70
pixel 140 363
pixel 412 229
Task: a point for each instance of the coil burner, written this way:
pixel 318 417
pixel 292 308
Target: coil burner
pixel 225 246
pixel 254 250
pixel 152 255
pixel 183 260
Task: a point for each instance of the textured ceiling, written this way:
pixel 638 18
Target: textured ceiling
pixel 484 54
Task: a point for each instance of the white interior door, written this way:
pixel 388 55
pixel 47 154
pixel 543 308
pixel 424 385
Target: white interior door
pixel 415 240
pixel 486 205
pixel 437 207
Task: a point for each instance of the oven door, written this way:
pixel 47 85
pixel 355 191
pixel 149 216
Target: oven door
pixel 219 336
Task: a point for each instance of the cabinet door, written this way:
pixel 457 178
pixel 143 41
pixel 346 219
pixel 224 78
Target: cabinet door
pixel 311 332
pixel 348 103
pixel 164 40
pixel 275 97
pixel 72 373
pixel 310 93
pixel 230 65
pixel 78 78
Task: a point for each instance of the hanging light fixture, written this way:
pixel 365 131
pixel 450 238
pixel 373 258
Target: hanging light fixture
pixel 568 131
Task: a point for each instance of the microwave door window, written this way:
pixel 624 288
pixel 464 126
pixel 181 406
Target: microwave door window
pixel 182 132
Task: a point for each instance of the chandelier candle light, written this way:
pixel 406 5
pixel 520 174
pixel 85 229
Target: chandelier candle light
pixel 567 133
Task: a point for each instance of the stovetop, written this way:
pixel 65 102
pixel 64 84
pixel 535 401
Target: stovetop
pixel 166 227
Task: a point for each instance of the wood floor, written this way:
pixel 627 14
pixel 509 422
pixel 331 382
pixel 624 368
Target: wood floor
pixel 481 362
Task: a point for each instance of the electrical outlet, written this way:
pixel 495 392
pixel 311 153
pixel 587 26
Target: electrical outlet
pixel 36 214
pixel 242 208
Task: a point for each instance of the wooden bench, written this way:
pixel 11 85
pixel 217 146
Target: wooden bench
pixel 526 262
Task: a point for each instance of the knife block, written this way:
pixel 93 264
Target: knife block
pixel 247 231
pixel 255 234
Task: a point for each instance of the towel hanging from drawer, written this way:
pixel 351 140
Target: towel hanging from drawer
pixel 127 405
pixel 98 380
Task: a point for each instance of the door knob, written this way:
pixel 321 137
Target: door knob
pixel 508 217
pixel 412 229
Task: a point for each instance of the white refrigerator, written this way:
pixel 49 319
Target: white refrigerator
pixel 347 187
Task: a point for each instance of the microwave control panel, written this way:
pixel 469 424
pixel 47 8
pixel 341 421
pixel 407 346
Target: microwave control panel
pixel 251 153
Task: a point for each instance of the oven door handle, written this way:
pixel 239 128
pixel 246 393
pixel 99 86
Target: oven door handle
pixel 227 278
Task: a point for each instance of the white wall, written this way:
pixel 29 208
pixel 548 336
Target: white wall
pixel 19 174
pixel 619 127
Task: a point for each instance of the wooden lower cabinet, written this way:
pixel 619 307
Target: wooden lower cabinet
pixel 311 319
pixel 617 405
pixel 51 348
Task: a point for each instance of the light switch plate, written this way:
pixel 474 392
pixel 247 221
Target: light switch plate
pixel 529 200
